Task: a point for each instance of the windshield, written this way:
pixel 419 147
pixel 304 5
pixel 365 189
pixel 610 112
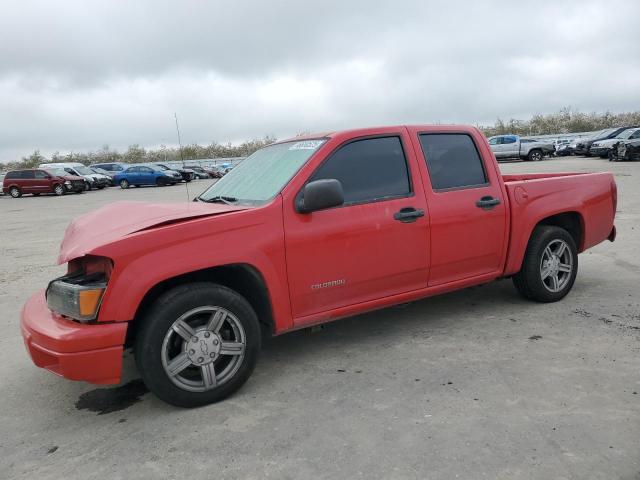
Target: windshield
pixel 262 175
pixel 627 133
pixel 57 172
pixel 83 170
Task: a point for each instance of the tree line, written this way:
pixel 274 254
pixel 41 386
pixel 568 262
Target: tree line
pixel 138 154
pixel 566 120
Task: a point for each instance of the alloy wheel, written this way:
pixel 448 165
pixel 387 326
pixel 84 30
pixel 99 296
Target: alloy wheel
pixel 556 265
pixel 203 349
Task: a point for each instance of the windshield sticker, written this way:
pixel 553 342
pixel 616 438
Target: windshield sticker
pixel 306 145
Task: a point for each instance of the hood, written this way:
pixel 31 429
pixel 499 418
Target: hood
pixel 70 177
pixel 117 220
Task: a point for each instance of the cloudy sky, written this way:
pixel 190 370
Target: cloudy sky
pixel 76 75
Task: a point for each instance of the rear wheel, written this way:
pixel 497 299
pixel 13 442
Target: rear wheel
pixel 15 192
pixel 58 190
pixel 550 265
pixel 535 156
pixel 198 343
pixel 124 183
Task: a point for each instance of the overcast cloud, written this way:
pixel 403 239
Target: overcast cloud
pixel 75 75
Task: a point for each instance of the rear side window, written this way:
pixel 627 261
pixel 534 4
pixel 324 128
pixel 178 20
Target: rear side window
pixel 13 175
pixel 452 160
pixel 27 174
pixel 369 169
pixel 508 140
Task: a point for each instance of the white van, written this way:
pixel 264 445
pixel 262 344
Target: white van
pixel 91 179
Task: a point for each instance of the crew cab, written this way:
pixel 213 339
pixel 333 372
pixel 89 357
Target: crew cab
pixel 514 146
pixel 302 232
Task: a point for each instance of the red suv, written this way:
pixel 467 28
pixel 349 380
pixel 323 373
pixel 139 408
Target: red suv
pixel 59 182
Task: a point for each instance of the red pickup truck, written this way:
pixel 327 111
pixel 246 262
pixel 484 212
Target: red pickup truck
pixel 302 232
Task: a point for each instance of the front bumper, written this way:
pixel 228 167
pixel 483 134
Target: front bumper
pixel 598 150
pixel 88 352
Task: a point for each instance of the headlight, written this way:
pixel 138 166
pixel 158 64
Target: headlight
pixel 67 182
pixel 78 294
pixel 77 297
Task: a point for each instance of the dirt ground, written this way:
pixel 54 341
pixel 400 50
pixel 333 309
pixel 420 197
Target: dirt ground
pixel 475 384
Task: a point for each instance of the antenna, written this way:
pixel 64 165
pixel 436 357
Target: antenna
pixel 186 184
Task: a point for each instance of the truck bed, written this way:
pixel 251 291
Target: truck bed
pixel 534 197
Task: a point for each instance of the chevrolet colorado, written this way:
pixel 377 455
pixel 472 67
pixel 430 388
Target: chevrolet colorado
pixel 302 232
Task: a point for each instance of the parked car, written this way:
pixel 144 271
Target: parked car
pixel 100 171
pixel 215 171
pixel 38 181
pixel 138 175
pixel 514 146
pixel 187 175
pixel 561 147
pixel 2 182
pixel 583 145
pixel 626 150
pixel 603 148
pixel 302 232
pixel 199 171
pixel 111 168
pixel 92 179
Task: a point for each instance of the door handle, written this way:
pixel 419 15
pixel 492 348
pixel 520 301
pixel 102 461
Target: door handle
pixel 408 214
pixel 487 203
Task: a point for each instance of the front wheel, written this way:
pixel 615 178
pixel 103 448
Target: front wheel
pixel 550 265
pixel 197 344
pixel 58 190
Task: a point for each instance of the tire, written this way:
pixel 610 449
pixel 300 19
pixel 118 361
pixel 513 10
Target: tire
pixel 15 192
pixel 58 190
pixel 534 156
pixel 87 186
pixel 562 255
pixel 192 377
pixel 124 184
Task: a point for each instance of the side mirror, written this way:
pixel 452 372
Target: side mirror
pixel 321 194
pixel 47 176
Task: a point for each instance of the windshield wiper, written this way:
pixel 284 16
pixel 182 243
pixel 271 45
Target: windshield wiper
pixel 219 199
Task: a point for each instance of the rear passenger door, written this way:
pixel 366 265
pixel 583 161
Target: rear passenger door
pixel 28 182
pixel 468 216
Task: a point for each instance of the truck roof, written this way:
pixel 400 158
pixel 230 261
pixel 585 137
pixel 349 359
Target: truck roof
pixel 367 130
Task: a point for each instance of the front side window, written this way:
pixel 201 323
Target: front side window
pixel 493 141
pixel 452 160
pixel 369 169
pixel 262 175
pixel 40 174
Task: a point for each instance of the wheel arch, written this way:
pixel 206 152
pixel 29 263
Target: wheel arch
pixel 571 221
pixel 243 278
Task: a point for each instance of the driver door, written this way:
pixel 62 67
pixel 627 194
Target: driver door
pixel 361 250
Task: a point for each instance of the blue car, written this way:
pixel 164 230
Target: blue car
pixel 145 175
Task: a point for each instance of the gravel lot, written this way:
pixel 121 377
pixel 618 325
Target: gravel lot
pixel 474 384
